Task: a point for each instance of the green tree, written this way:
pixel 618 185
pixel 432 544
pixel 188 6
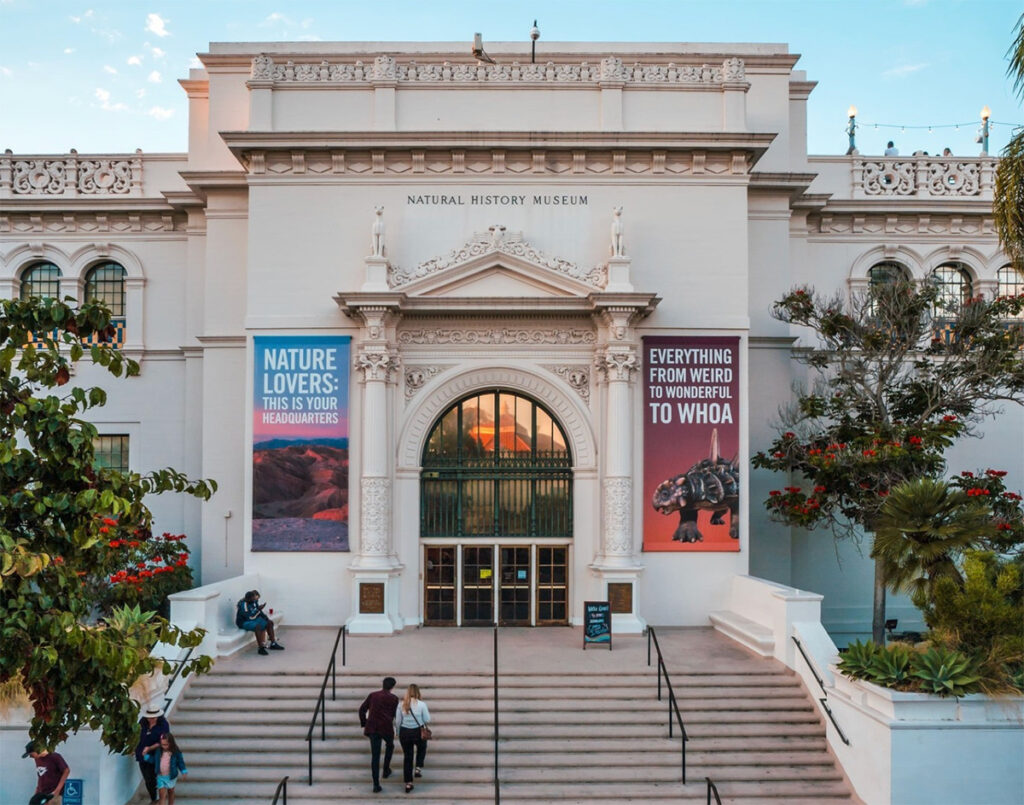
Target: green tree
pixel 59 515
pixel 889 396
pixel 922 531
pixel 1008 204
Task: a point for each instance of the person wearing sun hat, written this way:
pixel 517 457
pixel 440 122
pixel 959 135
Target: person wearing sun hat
pixel 152 725
pixel 51 770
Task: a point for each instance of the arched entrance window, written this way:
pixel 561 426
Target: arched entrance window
pixel 496 513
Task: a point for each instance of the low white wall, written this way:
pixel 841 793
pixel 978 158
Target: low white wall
pixel 904 748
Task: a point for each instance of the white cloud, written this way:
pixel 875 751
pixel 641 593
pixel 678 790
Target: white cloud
pixel 154 77
pixel 103 96
pixel 157 25
pixel 87 15
pixel 68 51
pixel 135 60
pixel 276 18
pixel 157 53
pixel 140 93
pixel 160 113
pixel 6 71
pixel 108 69
pixel 903 70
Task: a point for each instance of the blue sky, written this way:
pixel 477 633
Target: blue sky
pixel 101 75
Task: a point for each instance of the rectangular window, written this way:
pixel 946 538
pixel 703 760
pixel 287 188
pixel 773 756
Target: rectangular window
pixel 111 452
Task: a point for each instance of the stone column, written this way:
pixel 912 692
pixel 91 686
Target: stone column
pixel 376 569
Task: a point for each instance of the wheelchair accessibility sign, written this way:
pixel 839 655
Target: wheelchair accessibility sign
pixel 73 792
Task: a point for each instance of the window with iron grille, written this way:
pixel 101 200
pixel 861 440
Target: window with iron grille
pixel 496 464
pixel 954 285
pixel 882 275
pixel 105 283
pixel 111 452
pixel 1011 283
pixel 41 280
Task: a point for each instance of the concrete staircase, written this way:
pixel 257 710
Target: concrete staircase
pixel 565 737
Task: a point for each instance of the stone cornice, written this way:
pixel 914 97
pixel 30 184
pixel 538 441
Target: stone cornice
pixel 17 220
pixel 641 304
pixel 907 225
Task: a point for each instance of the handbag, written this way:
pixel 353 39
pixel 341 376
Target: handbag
pixel 425 732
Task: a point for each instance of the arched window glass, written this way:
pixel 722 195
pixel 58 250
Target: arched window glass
pixel 42 280
pixel 887 273
pixel 1011 283
pixel 496 464
pixel 105 283
pixel 954 283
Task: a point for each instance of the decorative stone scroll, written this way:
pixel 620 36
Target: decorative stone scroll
pixel 386 68
pixel 924 177
pixel 73 175
pixel 576 376
pixel 496 240
pixel 498 335
pixel 376 363
pixel 416 377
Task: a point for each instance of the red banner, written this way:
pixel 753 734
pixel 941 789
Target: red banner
pixel 691 443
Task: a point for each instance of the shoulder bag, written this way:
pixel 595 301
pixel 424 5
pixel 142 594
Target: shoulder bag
pixel 425 732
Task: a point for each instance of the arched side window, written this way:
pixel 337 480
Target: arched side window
pixel 42 280
pixel 954 284
pixel 496 464
pixel 1011 283
pixel 104 282
pixel 881 275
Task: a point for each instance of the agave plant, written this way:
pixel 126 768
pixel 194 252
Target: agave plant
pixel 946 673
pixel 857 659
pixel 891 666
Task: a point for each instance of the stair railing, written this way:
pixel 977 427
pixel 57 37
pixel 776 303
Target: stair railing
pixel 673 705
pixel 282 791
pixel 181 663
pixel 712 789
pixel 497 787
pixel 321 702
pixel 824 699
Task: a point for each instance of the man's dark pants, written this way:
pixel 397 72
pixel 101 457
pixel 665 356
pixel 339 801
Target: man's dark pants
pixel 39 799
pixel 375 742
pixel 149 778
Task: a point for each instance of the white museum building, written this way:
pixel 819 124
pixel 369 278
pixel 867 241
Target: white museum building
pixel 467 343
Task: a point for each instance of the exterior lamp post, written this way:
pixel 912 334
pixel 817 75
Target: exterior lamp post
pixel 534 36
pixel 986 113
pixel 851 130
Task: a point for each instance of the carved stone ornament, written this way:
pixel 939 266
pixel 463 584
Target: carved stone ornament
pixel 618 516
pixel 376 364
pixel 576 376
pixel 496 240
pixel 498 335
pixel 375 515
pixel 76 175
pixel 618 365
pixel 416 377
pixel 386 68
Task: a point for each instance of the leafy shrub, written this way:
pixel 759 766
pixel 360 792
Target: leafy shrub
pixel 946 673
pixel 938 670
pixel 891 665
pixel 856 661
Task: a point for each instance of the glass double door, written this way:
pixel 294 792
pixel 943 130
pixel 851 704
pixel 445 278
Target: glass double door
pixel 511 585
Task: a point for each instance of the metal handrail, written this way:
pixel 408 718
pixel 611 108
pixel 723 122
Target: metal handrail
pixel 712 789
pixel 174 677
pixel 497 787
pixel 282 791
pixel 673 705
pixel 824 699
pixel 321 702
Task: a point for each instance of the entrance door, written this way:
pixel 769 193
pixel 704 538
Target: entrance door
pixel 477 585
pixel 515 585
pixel 439 585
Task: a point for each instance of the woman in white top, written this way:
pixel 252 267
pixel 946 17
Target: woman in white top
pixel 411 717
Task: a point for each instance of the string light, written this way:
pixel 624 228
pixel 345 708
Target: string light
pixel 903 127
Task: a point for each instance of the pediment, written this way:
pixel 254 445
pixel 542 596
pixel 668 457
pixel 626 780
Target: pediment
pixel 497 264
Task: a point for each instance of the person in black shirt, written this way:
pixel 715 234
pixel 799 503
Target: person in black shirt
pixel 249 616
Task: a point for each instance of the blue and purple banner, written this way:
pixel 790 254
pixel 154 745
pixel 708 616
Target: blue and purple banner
pixel 300 443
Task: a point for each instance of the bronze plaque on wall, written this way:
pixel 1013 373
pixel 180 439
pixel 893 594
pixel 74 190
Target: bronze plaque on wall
pixel 620 596
pixel 371 599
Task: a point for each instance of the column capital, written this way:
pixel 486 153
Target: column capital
pixel 377 362
pixel 618 363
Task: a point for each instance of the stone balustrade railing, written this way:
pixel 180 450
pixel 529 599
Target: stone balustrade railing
pixel 923 177
pixel 386 69
pixel 70 175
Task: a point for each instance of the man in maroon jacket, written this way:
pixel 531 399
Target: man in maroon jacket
pixel 377 718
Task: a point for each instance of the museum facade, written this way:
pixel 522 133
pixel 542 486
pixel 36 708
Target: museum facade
pixel 471 343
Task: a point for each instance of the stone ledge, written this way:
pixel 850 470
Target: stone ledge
pixel 744 631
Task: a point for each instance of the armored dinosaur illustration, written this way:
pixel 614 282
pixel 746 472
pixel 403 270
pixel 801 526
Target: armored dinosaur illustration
pixel 712 483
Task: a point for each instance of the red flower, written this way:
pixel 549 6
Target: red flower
pixel 789 435
pixel 916 440
pixel 108 521
pixel 104 529
pixel 869 452
pixel 1011 496
pixel 995 473
pixel 977 491
pixel 949 418
pixel 58 560
pixel 792 489
pixel 114 543
pixel 774 493
pixel 778 455
pixel 966 474
pixel 133 544
pixel 145 574
pixel 819 489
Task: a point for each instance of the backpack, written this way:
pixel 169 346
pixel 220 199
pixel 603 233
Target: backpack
pixel 240 613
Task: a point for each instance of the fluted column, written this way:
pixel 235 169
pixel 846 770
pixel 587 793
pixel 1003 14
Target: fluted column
pixel 376 364
pixel 618 364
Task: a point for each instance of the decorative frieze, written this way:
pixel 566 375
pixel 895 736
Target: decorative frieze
pixel 666 164
pixel 72 175
pixel 939 227
pixel 385 68
pixel 80 222
pixel 618 516
pixel 578 377
pixel 375 515
pixel 496 240
pixel 498 335
pixel 923 176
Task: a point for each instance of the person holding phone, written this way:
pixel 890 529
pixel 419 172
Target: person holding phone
pixel 249 616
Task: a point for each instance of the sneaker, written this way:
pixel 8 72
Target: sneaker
pixel 263 651
pixel 418 772
pixel 275 646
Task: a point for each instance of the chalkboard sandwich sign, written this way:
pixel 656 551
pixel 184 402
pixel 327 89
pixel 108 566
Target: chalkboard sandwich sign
pixel 597 623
